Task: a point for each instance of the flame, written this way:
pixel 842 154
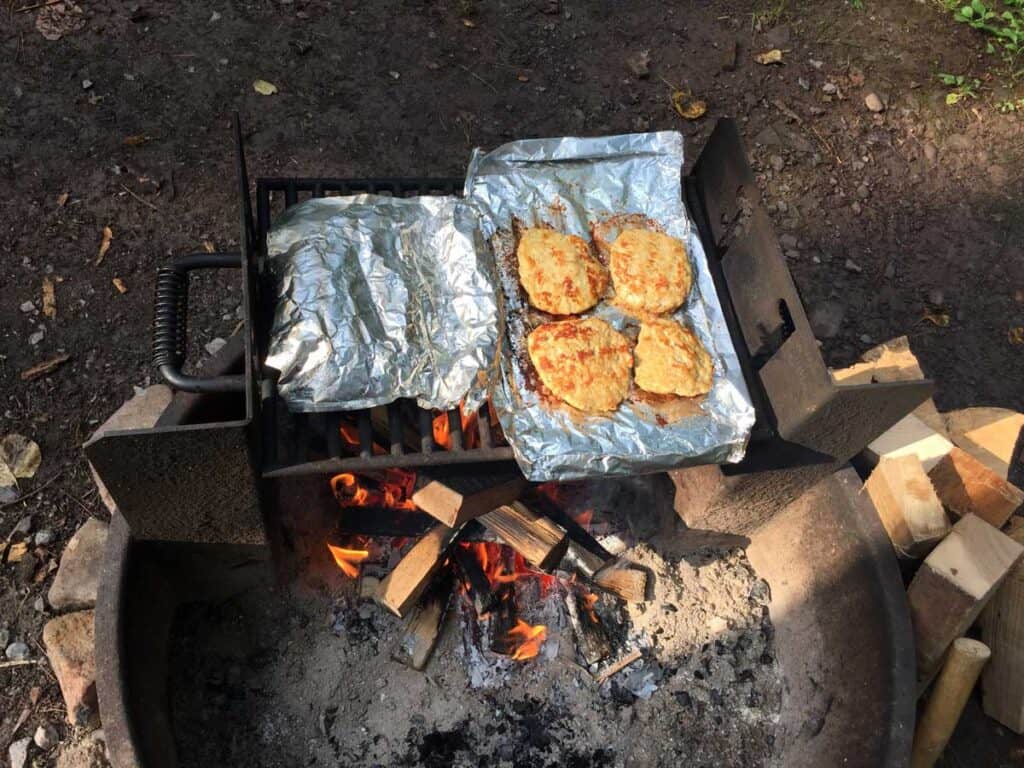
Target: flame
pixel 496 567
pixel 393 490
pixel 584 518
pixel 347 559
pixel 442 430
pixel 350 440
pixel 589 599
pixel 529 639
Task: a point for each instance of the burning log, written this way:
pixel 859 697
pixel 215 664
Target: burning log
pixel 455 495
pixel 583 561
pixel 591 639
pixel 623 580
pixel 411 577
pixel 425 624
pixel 478 586
pixel 503 619
pixel 536 538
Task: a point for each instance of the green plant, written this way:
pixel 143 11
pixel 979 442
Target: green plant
pixel 1003 20
pixel 857 5
pixel 961 87
pixel 1010 105
pixel 767 16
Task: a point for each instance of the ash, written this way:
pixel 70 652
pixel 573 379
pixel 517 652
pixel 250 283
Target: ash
pixel 287 677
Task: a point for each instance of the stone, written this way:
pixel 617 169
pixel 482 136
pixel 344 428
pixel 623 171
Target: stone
pixel 872 102
pixel 43 537
pixel 18 752
pixel 46 736
pixel 930 152
pixel 826 318
pixel 776 162
pixel 213 346
pixel 788 241
pixel 853 266
pixel 74 587
pixel 140 412
pixel 863 192
pixel 27 306
pixel 87 753
pixel 35 338
pixel 39 606
pixel 22 529
pixel 17 652
pixel 70 647
pixel 830 89
pixel 865 338
pixel 804 83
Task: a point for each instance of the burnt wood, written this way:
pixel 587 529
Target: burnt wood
pixel 478 586
pixel 455 495
pixel 592 641
pixel 425 624
pixel 536 538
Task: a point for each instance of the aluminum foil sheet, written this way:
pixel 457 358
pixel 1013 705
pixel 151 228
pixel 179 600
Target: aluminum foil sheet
pixel 575 185
pixel 380 298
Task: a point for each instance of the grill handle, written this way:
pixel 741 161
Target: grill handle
pixel 170 323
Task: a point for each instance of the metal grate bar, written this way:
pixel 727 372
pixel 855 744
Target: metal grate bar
pixel 396 430
pixel 426 430
pixel 455 429
pixel 291 196
pixel 332 426
pixel 365 434
pixel 483 421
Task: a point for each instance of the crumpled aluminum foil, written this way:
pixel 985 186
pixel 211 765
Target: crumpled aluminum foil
pixel 570 184
pixel 380 298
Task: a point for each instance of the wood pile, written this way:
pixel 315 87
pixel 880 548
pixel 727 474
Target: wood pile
pixel 942 484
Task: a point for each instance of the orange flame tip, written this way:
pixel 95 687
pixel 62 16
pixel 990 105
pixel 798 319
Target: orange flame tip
pixel 346 559
pixel 530 639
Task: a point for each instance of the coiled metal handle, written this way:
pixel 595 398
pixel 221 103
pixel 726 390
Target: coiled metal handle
pixel 170 323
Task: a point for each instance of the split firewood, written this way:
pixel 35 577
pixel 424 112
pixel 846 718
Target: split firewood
pixel 989 434
pixel 617 666
pixel 591 639
pixel 946 703
pixel 541 543
pixel 425 624
pixel 908 436
pixel 966 486
pixel 579 559
pixel 889 362
pixel 907 505
pixel 623 580
pixel 478 586
pixel 411 577
pixel 1002 629
pixel 952 587
pixel 455 495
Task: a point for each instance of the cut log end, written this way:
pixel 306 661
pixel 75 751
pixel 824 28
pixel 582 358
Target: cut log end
pixel 623 581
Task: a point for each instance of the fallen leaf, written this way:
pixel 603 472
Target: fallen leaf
pixel 59 19
pixel 21 454
pixel 17 552
pixel 774 56
pixel 44 368
pixel 264 88
pixel 108 235
pixel 686 106
pixel 523 78
pixel 138 140
pixel 469 23
pixel 62 199
pixel 208 246
pixel 939 317
pixel 1016 335
pixel 8 485
pixel 49 299
pixel 34 694
pixel 119 284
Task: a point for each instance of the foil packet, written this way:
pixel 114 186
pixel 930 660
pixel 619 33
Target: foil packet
pixel 380 298
pixel 578 186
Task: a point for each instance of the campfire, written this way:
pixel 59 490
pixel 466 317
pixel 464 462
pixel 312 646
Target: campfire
pixel 487 547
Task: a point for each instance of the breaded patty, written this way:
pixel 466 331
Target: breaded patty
pixel 670 360
pixel 650 271
pixel 558 272
pixel 584 362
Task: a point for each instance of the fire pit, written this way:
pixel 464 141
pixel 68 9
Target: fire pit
pixel 271 556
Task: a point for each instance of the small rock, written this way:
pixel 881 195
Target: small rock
pixel 39 605
pixel 830 89
pixel 804 83
pixel 78 577
pixel 872 102
pixel 640 63
pixel 86 85
pixel 853 266
pixel 38 336
pixel 792 255
pixel 17 652
pixel 70 641
pixel 826 318
pixel 816 64
pixel 213 346
pixel 865 338
pixel 46 736
pixel 863 192
pixel 855 207
pixel 788 241
pixel 23 528
pixel 935 297
pixel 27 306
pixel 777 162
pixel 816 259
pixel 214 17
pixel 930 152
pixel 44 537
pixel 18 752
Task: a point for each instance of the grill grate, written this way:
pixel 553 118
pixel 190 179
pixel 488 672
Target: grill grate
pixel 400 434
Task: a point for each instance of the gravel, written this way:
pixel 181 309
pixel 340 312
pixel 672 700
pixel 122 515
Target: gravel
pixel 17 652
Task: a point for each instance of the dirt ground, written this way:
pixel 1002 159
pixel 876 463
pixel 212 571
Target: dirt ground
pixel 882 215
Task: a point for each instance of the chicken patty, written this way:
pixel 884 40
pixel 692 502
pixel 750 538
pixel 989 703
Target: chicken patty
pixel 650 271
pixel 586 363
pixel 558 272
pixel 670 360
